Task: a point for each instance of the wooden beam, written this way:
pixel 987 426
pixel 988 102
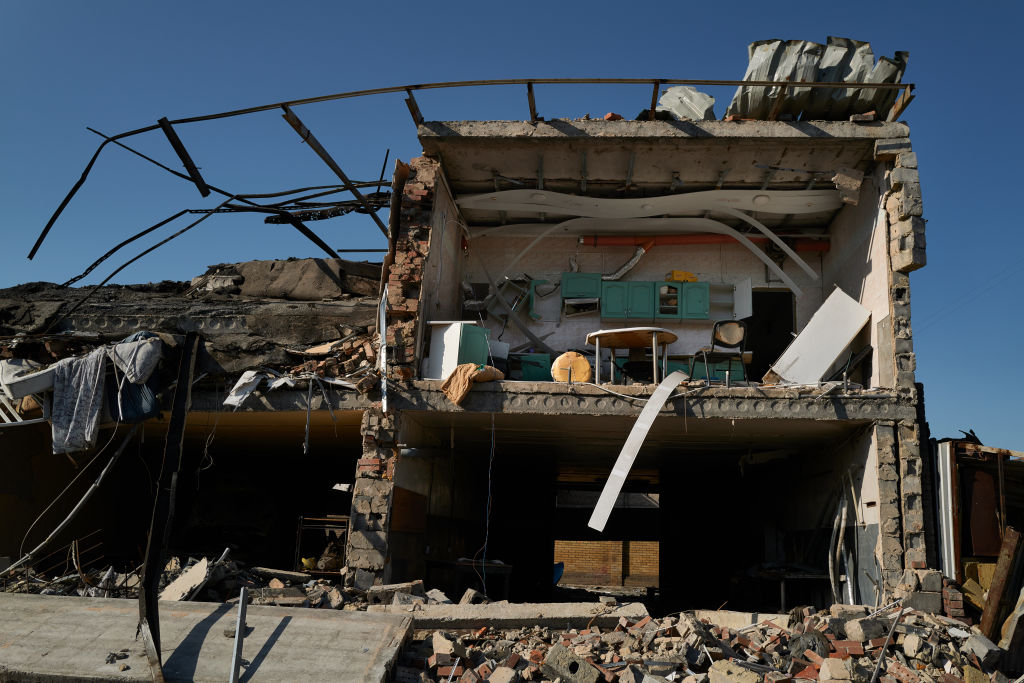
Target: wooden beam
pixel 1007 570
pixel 308 138
pixel 901 103
pixel 533 104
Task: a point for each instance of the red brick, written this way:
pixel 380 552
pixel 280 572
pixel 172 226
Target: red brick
pixel 813 656
pixel 809 673
pixel 512 660
pixel 439 659
pixel 448 670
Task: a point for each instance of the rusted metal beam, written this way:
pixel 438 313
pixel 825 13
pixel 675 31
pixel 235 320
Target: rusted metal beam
pixel 414 108
pixel 308 137
pixel 162 520
pixel 654 100
pixel 533 104
pixel 186 160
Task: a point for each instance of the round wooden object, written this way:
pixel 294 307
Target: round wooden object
pixel 570 361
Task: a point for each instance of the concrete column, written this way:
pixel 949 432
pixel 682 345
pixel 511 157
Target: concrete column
pixel 367 551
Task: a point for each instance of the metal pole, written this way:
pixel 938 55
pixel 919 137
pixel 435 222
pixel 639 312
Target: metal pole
pixel 236 652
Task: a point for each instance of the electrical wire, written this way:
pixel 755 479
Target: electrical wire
pixel 487 518
pixel 21 548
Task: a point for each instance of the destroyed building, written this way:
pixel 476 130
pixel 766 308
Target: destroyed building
pixel 785 467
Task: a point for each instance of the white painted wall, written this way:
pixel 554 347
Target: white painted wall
pixel 442 269
pixel 858 261
pixel 717 264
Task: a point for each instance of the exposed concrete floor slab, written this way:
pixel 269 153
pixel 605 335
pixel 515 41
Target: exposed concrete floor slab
pixel 514 615
pixel 52 638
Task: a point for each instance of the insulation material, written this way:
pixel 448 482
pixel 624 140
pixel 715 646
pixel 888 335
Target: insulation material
pixel 840 60
pixel 687 103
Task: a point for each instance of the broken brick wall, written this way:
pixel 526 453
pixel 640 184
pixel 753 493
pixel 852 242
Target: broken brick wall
pixel 405 283
pixel 609 563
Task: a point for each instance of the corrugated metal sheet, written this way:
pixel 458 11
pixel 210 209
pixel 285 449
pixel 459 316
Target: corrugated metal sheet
pixel 840 60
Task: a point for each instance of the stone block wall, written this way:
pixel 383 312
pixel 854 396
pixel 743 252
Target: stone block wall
pixel 367 551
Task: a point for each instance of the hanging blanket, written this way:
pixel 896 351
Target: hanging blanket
pixel 77 401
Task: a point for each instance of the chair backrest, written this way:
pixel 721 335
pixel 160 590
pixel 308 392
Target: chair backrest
pixel 729 333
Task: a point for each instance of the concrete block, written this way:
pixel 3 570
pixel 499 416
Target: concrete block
pixel 833 669
pixel 560 662
pixel 363 579
pixel 725 671
pixel 906 159
pixel 931 580
pixel 847 612
pixel 863 630
pixel 437 596
pixel 983 648
pixel 901 176
pixel 924 602
pixel 503 674
pixel 889 148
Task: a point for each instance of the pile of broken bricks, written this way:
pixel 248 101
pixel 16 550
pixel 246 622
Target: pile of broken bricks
pixel 354 354
pixel 846 643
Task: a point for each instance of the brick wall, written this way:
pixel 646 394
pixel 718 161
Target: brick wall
pixel 641 562
pixel 608 563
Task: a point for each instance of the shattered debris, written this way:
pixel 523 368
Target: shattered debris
pixel 910 647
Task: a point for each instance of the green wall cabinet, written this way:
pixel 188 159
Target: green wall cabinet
pixel 695 300
pixel 581 285
pixel 633 300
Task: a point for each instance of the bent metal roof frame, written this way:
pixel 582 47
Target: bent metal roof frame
pixel 901 103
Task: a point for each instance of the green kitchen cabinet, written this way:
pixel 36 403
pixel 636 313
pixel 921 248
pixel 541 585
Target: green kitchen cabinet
pixel 641 301
pixel 695 302
pixel 627 300
pixel 581 285
pixel 614 299
pixel 669 300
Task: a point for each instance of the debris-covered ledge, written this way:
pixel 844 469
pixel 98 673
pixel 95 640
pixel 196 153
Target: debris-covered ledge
pixel 827 402
pixel 259 313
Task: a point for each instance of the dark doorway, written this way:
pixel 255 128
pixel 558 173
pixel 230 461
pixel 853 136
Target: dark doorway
pixel 770 329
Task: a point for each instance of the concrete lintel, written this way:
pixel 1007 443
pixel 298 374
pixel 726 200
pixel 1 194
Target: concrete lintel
pixel 57 638
pixel 516 615
pixel 283 400
pixel 551 398
pixel 431 132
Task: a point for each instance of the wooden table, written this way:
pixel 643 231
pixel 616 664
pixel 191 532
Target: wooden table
pixel 632 338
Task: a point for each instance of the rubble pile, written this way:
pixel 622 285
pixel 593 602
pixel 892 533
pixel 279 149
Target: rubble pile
pixel 845 643
pixel 354 354
pixel 221 580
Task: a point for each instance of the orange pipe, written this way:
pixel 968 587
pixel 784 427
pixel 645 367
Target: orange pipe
pixel 648 241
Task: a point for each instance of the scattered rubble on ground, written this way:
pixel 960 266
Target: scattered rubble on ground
pixel 844 643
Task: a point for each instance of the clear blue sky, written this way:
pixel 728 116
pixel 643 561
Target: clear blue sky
pixel 116 66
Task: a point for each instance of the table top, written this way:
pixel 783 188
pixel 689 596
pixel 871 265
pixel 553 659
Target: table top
pixel 632 337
